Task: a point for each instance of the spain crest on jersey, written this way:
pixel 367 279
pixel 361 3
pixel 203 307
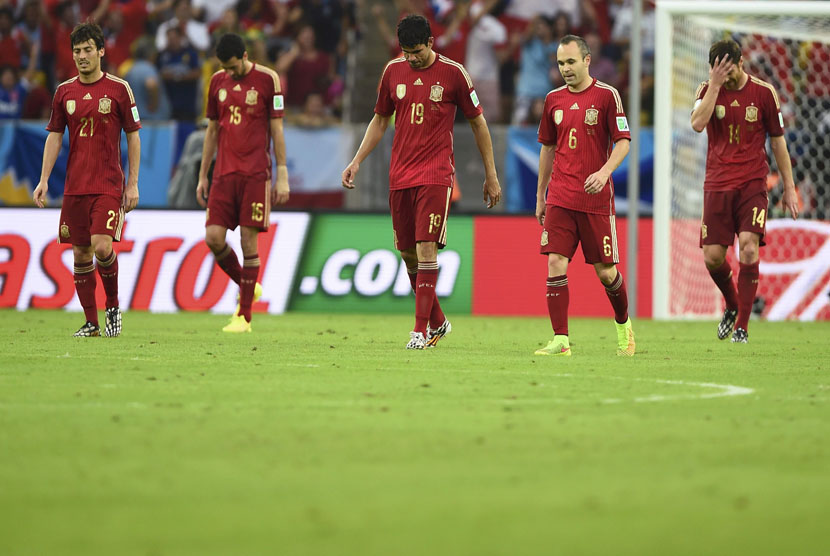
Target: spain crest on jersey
pixel 752 113
pixel 105 105
pixel 70 107
pixel 557 117
pixel 720 111
pixel 436 93
pixel 250 97
pixel 591 116
pixel 400 91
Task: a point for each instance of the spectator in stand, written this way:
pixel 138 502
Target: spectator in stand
pixel 326 17
pixel 535 63
pixel 314 114
pixel 29 30
pixel 211 11
pixel 306 69
pixel 179 66
pixel 146 82
pixel 602 68
pixel 67 18
pixel 13 91
pixel 530 9
pixel 228 23
pixel 195 32
pixel 10 48
pixel 117 41
pixel 482 60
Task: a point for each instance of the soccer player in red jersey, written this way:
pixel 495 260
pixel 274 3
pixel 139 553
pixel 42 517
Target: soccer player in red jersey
pixel 245 109
pixel 423 89
pixel 96 106
pixel 585 127
pixel 746 110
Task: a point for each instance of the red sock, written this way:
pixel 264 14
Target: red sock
pixel 108 269
pixel 247 283
pixel 618 296
pixel 558 299
pixel 85 286
pixel 228 262
pixel 425 294
pixel 722 276
pixel 747 287
pixel 436 316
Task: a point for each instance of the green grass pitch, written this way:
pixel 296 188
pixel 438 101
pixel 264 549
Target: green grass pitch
pixel 321 434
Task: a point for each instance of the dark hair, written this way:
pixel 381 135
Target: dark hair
pixel 7 11
pixel 726 47
pixel 584 49
pixel 413 30
pixel 230 45
pixel 83 32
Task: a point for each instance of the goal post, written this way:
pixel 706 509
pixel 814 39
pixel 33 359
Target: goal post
pixel 773 36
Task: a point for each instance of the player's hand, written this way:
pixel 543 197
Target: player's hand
pixel 347 178
pixel 596 181
pixel 202 192
pixel 279 195
pixel 492 191
pixel 540 211
pixel 129 199
pixel 719 73
pixel 790 202
pixel 39 195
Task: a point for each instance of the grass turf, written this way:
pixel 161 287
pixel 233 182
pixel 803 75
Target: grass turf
pixel 320 434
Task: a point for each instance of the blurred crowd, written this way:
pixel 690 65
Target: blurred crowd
pixel 509 46
pixel 164 49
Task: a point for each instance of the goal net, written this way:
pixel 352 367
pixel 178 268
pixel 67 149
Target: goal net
pixel 784 43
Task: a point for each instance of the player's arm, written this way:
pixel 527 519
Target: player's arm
pixel 545 169
pixel 703 109
pixel 208 150
pixel 785 167
pixel 50 155
pixel 130 198
pixel 596 181
pixel 492 189
pixel 280 194
pixel 374 133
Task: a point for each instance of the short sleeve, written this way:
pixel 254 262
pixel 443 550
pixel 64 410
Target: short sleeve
pixel 384 105
pixel 57 121
pixel 547 127
pixel 212 110
pixel 130 119
pixel 701 90
pixel 773 120
pixel 277 101
pixel 467 98
pixel 615 117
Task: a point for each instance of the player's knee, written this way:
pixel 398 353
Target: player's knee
pixel 557 265
pixel 749 253
pixel 215 242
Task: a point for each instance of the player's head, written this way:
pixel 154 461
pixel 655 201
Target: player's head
pixel 574 58
pixel 232 55
pixel 415 40
pixel 727 48
pixel 87 47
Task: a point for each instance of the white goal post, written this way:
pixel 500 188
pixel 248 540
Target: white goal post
pixel 685 29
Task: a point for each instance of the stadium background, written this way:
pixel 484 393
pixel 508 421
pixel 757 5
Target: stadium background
pixel 339 243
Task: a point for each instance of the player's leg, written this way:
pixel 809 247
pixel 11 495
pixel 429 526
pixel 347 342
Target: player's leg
pixel 74 228
pixel 438 326
pixel 106 224
pixel 615 289
pixel 223 215
pixel 558 243
pixel 751 214
pixel 250 271
pixel 223 253
pixel 717 231
pixel 402 209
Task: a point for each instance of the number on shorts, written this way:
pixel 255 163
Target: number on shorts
pixel 257 210
pixel 572 138
pixel 606 246
pixel 112 216
pixel 434 222
pixel 758 217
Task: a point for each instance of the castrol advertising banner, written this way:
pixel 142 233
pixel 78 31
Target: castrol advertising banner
pixel 164 264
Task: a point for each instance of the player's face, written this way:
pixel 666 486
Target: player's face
pixel 235 67
pixel 733 78
pixel 419 55
pixel 572 66
pixel 87 57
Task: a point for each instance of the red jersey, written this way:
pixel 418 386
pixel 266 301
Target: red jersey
pixel 584 127
pixel 244 109
pixel 95 114
pixel 425 100
pixel 737 134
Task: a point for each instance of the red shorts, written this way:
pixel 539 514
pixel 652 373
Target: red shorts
pixel 726 213
pixel 420 214
pixel 565 228
pixel 83 216
pixel 237 200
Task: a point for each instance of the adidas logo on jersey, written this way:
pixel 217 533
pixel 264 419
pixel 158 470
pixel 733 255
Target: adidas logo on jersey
pixel 574 106
pixel 87 97
pixel 418 82
pixel 735 103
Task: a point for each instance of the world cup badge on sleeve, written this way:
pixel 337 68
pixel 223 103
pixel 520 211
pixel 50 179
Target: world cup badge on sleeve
pixel 400 91
pixel 105 105
pixel 557 117
pixel 436 93
pixel 591 116
pixel 752 113
pixel 70 107
pixel 720 111
pixel 250 97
